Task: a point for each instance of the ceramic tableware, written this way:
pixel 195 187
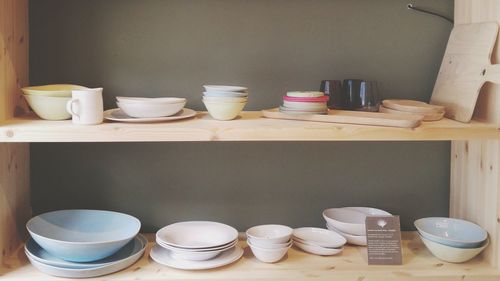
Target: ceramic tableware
pixel 197 234
pixel 56 90
pixel 333 89
pixel 142 100
pixel 225 99
pixel 83 235
pixel 318 250
pixel 164 256
pixel 148 109
pixel 306 94
pixel 305 105
pixel 318 236
pixel 86 107
pixel 118 115
pixel 197 254
pixel 224 111
pixel 451 232
pixel 48 107
pixel 452 254
pixel 224 88
pixel 369 211
pixel 348 221
pixel 69 272
pixel 222 94
pixel 207 249
pixel 270 234
pixel 267 245
pixel 268 255
pixel 359 240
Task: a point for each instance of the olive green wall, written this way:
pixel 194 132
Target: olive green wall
pixel 171 48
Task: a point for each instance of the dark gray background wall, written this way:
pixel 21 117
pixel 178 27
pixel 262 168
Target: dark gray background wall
pixel 172 47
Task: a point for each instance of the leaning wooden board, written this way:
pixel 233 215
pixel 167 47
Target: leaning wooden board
pixel 465 68
pixel 351 117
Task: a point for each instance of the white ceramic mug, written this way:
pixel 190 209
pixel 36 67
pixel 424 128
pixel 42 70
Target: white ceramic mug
pixel 86 106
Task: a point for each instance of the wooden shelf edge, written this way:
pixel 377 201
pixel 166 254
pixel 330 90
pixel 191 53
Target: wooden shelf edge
pixel 419 264
pixel 250 126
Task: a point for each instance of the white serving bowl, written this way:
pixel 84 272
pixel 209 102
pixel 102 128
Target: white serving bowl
pixel 319 237
pixel 48 107
pixel 268 234
pixel 224 111
pixel 268 255
pixel 224 94
pixel 452 232
pixel 359 240
pixel 197 234
pixel 150 110
pixel 142 100
pixel 318 250
pixel 345 220
pixel 225 99
pixel 56 90
pixel 267 245
pixel 224 88
pixel 451 254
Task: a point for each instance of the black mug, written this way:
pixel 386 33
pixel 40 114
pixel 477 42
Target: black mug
pixel 333 89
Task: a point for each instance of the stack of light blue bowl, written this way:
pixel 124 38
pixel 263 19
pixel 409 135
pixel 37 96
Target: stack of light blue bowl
pixel 452 240
pixel 84 243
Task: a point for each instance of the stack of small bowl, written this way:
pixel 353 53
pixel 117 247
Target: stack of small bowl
pixel 49 101
pixel 83 243
pixel 318 241
pixel 305 103
pixel 139 107
pixel 196 240
pixel 225 102
pixel 269 242
pixel 452 240
pixel 350 222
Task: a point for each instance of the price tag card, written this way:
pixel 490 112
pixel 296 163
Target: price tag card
pixel 383 234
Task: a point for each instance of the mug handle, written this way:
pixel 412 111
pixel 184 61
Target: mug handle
pixel 69 107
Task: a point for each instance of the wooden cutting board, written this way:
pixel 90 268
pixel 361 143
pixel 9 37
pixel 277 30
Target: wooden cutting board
pixel 466 66
pixel 351 117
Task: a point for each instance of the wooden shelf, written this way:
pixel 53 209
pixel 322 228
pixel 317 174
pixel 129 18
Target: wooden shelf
pixel 249 127
pixel 419 264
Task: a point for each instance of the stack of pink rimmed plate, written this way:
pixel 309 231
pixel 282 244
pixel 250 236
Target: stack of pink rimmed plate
pixel 305 103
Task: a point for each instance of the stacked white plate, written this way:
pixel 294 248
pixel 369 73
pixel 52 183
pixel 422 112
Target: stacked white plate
pixel 350 222
pixel 224 102
pixel 269 242
pixel 318 241
pixel 305 103
pixel 196 245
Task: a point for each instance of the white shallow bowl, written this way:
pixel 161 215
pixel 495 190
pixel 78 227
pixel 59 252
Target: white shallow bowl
pixel 142 100
pixel 224 111
pixel 359 240
pixel 83 235
pixel 49 108
pixel 318 106
pixel 452 232
pixel 267 234
pixel 369 211
pixel 222 247
pixel 268 255
pixel 319 236
pixel 225 99
pixel 345 220
pixel 56 90
pixel 150 110
pixel 197 234
pixel 267 245
pixel 197 255
pixel 224 88
pixel 318 250
pixel 224 94
pixel 451 254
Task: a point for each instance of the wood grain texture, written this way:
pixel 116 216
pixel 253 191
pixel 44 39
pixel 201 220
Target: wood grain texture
pixel 14 158
pixel 250 126
pixel 351 265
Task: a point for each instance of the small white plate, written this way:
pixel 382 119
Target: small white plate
pixel 317 250
pixel 319 236
pixel 118 115
pixel 164 257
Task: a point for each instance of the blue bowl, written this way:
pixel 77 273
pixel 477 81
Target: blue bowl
pixel 83 235
pixel 452 232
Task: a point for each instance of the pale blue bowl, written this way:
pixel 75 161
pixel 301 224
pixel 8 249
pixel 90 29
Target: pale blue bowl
pixel 83 235
pixel 452 232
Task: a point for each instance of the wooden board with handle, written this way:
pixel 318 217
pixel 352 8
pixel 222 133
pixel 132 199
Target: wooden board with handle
pixel 351 117
pixel 465 68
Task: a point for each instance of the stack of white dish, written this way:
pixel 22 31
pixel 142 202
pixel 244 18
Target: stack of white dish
pixel 305 103
pixel 350 222
pixel 225 102
pixel 49 101
pixel 196 245
pixel 318 241
pixel 452 240
pixel 150 107
pixel 84 243
pixel 269 242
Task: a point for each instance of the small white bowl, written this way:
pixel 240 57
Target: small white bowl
pixel 268 255
pixel 451 254
pixel 267 245
pixel 319 236
pixel 345 220
pixel 318 250
pixel 359 240
pixel 225 99
pixel 224 111
pixel 270 234
pixel 223 88
pixel 48 107
pixel 150 110
pixel 224 94
pixel 142 100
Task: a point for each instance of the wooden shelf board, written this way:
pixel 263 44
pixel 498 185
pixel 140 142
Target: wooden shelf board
pixel 249 127
pixel 419 264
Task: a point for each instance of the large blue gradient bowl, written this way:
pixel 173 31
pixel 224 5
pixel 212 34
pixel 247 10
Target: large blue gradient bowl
pixel 83 235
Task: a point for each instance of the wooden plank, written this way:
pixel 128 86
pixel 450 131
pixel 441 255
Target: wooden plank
pixel 351 265
pixel 249 127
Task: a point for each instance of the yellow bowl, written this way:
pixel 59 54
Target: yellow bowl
pixel 56 90
pixel 49 108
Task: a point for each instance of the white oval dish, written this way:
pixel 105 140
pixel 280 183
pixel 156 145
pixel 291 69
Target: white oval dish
pixel 118 115
pixel 345 220
pixel 270 234
pixel 359 240
pixel 318 250
pixel 197 234
pixel 319 236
